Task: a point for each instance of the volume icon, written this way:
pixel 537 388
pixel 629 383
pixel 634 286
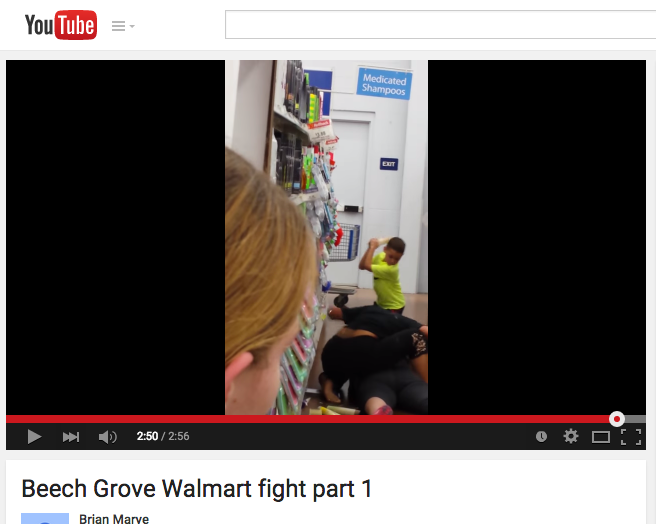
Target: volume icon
pixel 108 438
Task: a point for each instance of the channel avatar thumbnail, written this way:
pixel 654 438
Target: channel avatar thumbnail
pixel 44 518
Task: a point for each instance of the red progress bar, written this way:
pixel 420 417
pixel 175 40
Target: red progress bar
pixel 266 419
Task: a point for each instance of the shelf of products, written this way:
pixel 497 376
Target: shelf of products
pixel 302 164
pixel 285 123
pixel 317 331
pixel 302 199
pixel 295 100
pixel 320 208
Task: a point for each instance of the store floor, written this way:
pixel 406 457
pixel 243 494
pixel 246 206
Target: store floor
pixel 416 307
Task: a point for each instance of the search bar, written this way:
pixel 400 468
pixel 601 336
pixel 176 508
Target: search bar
pixel 394 25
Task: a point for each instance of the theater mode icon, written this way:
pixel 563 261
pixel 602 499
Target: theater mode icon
pixel 44 518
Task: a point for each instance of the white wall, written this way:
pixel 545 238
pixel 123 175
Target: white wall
pixel 423 261
pixel 252 110
pixel 383 189
pixel 414 173
pixel 231 81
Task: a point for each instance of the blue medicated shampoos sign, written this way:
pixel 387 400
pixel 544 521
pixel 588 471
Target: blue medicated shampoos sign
pixel 384 84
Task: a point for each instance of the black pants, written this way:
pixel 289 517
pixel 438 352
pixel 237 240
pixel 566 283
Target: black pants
pixel 345 358
pixel 397 311
pixel 399 387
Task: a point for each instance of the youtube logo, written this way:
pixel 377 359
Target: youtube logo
pixel 68 25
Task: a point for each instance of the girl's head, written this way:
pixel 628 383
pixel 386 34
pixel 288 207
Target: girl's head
pixel 270 264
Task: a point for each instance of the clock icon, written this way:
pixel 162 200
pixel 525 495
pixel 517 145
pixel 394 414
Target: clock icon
pixel 541 436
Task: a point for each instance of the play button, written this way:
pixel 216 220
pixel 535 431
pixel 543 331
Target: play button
pixel 31 436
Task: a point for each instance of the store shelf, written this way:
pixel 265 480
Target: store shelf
pixel 297 363
pixel 286 123
pixel 301 199
pixel 295 374
pixel 317 333
pixel 307 379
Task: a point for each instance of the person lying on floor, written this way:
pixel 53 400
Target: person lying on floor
pixel 398 387
pixel 373 340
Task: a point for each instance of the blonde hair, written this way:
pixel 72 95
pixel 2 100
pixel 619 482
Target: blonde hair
pixel 270 260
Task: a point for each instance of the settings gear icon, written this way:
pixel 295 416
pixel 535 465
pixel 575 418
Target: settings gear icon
pixel 570 436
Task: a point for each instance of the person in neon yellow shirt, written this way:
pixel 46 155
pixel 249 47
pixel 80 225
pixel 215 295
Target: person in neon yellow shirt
pixel 385 267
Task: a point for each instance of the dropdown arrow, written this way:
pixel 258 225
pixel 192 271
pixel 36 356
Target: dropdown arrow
pixel 131 26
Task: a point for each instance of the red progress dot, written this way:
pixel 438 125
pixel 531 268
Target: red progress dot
pixel 616 419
